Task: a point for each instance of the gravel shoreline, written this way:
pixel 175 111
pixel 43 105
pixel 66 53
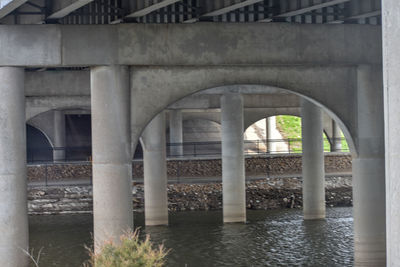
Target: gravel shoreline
pixel 263 194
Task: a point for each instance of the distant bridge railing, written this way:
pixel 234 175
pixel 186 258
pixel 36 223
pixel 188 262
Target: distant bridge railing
pixel 251 147
pixel 181 150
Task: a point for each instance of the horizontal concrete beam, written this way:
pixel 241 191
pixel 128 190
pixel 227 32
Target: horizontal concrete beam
pixel 38 105
pixel 194 44
pixel 57 83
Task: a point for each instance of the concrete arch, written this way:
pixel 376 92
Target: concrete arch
pixel 44 121
pixel 40 104
pixel 332 88
pixel 42 132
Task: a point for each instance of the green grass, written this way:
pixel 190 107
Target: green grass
pixel 290 128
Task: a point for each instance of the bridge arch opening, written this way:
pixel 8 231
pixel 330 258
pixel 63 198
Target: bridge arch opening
pixel 246 89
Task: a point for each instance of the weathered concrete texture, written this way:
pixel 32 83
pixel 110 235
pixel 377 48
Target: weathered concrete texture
pixel 37 106
pixel 270 193
pixel 13 202
pixel 369 171
pixel 181 44
pixel 209 99
pixel 391 73
pixel 233 173
pixel 155 172
pixel 175 132
pixel 312 161
pixel 112 171
pixel 57 83
pixel 154 89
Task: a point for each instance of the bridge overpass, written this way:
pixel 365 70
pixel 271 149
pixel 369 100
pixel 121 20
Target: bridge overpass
pixel 134 59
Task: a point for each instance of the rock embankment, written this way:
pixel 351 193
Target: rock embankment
pixel 267 165
pixel 269 193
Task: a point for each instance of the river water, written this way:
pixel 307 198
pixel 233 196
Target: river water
pixel 269 238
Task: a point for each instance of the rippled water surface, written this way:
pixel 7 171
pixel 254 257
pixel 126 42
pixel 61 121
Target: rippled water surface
pixel 270 238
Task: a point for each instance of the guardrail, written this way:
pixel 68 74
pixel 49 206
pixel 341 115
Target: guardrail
pixel 186 149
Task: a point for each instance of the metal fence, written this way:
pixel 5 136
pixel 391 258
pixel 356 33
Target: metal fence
pixel 251 147
pixel 187 149
pixel 63 154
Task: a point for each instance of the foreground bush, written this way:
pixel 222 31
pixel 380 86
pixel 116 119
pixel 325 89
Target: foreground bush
pixel 130 252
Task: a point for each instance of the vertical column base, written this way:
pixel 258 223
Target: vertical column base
pixel 13 187
pixel 313 172
pixel 58 156
pixel 369 212
pixel 233 173
pixel 314 216
pixel 155 172
pixel 370 252
pixel 112 155
pixel 234 217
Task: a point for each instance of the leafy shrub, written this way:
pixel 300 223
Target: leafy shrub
pixel 130 252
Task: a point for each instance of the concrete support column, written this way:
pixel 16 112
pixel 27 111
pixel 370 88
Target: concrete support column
pixel 59 136
pixel 13 197
pixel 270 126
pixel 369 171
pixel 112 156
pixel 313 171
pixel 175 132
pixel 233 176
pixel 336 138
pixel 391 78
pixel 155 172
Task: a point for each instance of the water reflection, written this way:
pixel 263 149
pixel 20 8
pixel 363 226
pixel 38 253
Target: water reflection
pixel 270 238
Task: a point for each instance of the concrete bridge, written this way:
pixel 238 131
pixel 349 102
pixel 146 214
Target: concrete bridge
pixel 135 60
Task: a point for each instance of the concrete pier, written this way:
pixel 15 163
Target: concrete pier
pixel 391 79
pixel 111 144
pixel 59 136
pixel 336 138
pixel 233 176
pixel 155 172
pixel 269 128
pixel 369 172
pixel 312 161
pixel 175 132
pixel 13 196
